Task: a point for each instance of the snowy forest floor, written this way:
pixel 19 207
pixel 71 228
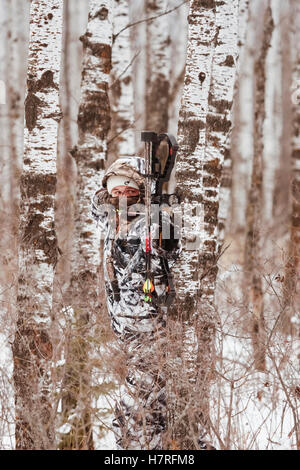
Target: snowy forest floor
pixel 249 409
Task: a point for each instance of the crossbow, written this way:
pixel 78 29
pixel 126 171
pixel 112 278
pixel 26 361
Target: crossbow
pixel 160 153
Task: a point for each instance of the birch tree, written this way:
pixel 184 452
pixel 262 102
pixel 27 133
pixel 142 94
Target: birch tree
pixel 204 123
pixel 90 156
pixel 281 189
pixel 253 279
pixel 157 67
pixel 275 108
pixel 219 125
pixel 75 20
pixel 16 118
pixel 13 41
pixel 7 154
pixel 121 86
pixel 32 348
pixel 16 73
pixel 177 22
pixel 241 139
pixel 226 178
pixel 191 140
pixel 292 265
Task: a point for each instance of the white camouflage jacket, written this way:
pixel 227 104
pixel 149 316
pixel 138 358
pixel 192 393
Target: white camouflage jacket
pixel 124 255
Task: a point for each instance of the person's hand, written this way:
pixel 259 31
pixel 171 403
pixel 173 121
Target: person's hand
pixel 101 197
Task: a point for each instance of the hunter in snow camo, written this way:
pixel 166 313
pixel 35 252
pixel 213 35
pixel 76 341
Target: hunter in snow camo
pixel 140 416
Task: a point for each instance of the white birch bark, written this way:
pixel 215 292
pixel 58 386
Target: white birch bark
pixel 93 127
pixel 178 22
pixel 219 122
pixel 189 169
pixel 4 133
pixel 243 19
pixel 292 265
pixel 203 129
pixel 218 127
pixel 273 121
pixel 15 97
pixel 252 276
pixel 226 179
pixel 90 157
pixel 65 165
pixel 191 138
pixel 121 87
pixel 242 135
pixel 32 348
pixel 138 44
pixel 12 72
pixel 76 15
pixel 284 114
pixel 4 164
pixel 157 67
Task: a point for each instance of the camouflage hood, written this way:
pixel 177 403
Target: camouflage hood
pixel 131 167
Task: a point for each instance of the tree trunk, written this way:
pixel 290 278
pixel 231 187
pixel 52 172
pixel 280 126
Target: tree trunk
pixel 121 140
pixel 203 129
pixel 15 91
pixel 241 139
pixel 157 67
pixel 6 164
pixel 32 348
pixel 90 156
pixel 218 130
pixel 273 127
pixel 253 278
pixel 226 178
pixel 178 22
pixel 16 87
pixel 292 265
pixel 12 72
pixel 66 173
pixel 281 191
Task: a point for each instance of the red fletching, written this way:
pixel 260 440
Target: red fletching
pixel 148 244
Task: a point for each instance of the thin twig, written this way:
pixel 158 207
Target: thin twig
pixel 287 394
pixel 125 70
pixel 131 126
pixel 216 261
pixel 151 18
pixel 176 85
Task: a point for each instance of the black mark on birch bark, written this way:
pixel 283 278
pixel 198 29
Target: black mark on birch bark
pixel 102 51
pixel 34 185
pixel 207 4
pixel 102 14
pixel 191 128
pixel 32 102
pixel 229 61
pixel 32 105
pixel 218 124
pixel 93 115
pixel 221 106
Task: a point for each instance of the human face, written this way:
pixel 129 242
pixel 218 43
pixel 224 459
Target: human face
pixel 124 191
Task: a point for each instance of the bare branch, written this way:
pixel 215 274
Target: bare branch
pixel 148 19
pixel 125 70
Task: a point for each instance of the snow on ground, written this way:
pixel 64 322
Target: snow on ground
pixel 7 428
pixel 249 409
